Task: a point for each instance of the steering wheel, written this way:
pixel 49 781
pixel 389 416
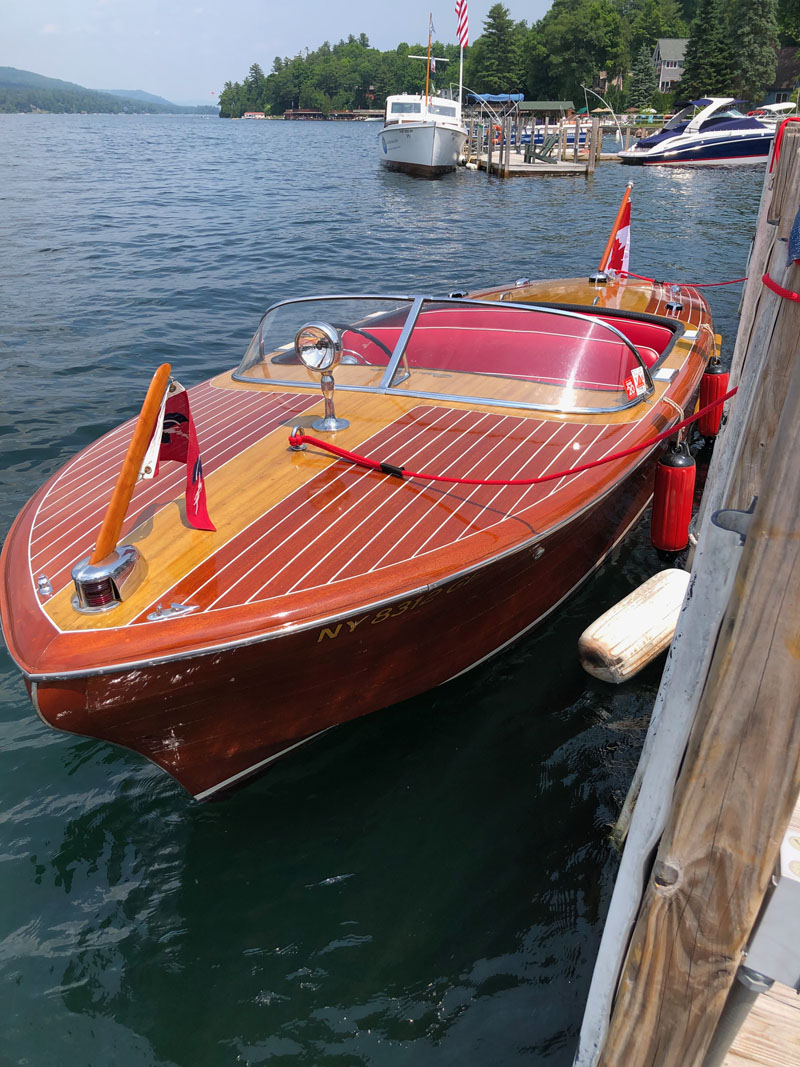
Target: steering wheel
pixel 344 327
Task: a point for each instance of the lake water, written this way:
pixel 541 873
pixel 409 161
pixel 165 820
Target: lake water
pixel 426 886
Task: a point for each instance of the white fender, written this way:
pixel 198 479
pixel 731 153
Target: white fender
pixel 632 633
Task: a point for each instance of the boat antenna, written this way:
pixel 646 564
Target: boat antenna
pixel 429 57
pixel 428 69
pixel 605 103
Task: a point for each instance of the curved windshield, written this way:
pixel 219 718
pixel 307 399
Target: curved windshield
pixel 503 354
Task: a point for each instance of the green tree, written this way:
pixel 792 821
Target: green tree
pixel 789 21
pixel 574 41
pixel 708 63
pixel 496 59
pixel 644 21
pixel 755 38
pixel 644 80
pixel 255 89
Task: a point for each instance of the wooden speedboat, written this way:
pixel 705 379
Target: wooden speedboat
pixel 328 589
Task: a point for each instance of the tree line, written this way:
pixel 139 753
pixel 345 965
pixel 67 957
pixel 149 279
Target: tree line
pixel 731 51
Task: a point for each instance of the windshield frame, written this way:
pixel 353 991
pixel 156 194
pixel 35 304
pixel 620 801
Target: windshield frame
pixel 395 374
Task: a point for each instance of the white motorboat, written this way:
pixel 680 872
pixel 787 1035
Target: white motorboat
pixel 424 135
pixel 706 132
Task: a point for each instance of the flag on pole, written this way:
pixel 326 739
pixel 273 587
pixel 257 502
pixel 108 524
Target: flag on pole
pixel 176 436
pixel 621 249
pixel 462 30
pixel 618 249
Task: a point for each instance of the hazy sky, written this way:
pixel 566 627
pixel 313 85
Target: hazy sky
pixel 185 50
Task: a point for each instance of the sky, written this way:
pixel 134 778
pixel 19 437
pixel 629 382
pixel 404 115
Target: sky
pixel 185 50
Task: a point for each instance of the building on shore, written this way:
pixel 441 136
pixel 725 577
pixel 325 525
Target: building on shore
pixel 668 61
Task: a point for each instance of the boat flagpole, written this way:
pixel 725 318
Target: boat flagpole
pixel 462 32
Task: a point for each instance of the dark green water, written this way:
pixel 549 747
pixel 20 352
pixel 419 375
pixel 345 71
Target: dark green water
pixel 426 886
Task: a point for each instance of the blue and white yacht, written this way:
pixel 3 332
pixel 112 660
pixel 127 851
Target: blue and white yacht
pixel 706 132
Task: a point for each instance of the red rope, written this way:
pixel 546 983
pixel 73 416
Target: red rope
pixel 691 285
pixel 779 138
pixel 787 294
pixel 402 472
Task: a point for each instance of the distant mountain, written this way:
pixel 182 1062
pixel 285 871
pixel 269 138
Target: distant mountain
pixel 24 91
pixel 138 94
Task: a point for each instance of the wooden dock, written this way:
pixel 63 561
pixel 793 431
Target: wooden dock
pixel 502 153
pixel 770 1035
pixel 518 168
pixel 719 777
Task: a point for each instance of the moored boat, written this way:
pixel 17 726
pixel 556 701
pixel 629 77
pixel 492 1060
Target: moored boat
pixel 424 135
pixel 707 132
pixel 326 588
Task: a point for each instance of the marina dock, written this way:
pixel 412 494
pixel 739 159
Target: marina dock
pixel 507 156
pixel 700 955
pixel 518 168
pixel 770 1033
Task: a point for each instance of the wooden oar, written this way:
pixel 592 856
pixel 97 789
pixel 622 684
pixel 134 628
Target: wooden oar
pixel 123 491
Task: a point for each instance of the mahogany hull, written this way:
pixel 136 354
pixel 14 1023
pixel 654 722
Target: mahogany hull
pixel 328 591
pixel 212 719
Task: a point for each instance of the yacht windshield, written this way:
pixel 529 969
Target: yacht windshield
pixel 494 353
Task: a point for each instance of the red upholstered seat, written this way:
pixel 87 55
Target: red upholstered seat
pixel 535 346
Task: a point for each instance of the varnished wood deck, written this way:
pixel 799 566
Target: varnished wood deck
pixel 770 1036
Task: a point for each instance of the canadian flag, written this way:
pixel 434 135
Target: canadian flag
pixel 618 250
pixel 621 248
pixel 175 437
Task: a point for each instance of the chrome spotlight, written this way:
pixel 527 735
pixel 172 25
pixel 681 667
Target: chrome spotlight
pixel 319 348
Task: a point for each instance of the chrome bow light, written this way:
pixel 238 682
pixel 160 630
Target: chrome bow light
pixel 104 585
pixel 319 348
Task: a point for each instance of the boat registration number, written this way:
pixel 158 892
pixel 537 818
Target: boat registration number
pixel 391 611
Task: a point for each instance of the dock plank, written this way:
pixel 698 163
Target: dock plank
pixel 770 1035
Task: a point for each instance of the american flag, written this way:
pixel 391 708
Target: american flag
pixel 462 32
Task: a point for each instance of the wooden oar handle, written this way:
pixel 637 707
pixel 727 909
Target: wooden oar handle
pixel 111 526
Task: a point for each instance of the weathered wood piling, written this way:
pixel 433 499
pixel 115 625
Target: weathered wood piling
pixel 720 770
